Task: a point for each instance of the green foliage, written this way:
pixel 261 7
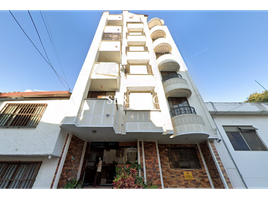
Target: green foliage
pixel 127 177
pixel 258 97
pixel 72 184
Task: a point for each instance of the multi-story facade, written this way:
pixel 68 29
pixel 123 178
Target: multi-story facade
pixel 134 100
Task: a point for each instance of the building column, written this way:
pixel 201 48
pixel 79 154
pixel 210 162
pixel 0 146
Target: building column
pixel 151 163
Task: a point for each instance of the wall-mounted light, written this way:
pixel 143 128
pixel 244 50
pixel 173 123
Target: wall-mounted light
pixel 218 139
pixel 94 131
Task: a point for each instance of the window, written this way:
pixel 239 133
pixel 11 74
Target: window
pixel 244 138
pixel 101 94
pixel 21 115
pixel 18 174
pixel 183 158
pixel 175 102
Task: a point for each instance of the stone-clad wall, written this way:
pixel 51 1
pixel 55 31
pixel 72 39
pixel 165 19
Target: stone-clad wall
pixel 72 161
pixel 174 178
pixel 151 164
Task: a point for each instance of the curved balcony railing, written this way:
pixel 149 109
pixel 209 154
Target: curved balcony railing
pixel 182 110
pixel 171 76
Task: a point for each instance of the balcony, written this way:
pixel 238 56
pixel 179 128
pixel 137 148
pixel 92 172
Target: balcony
pixel 95 120
pixel 110 51
pixel 143 121
pixel 139 56
pixel 167 62
pixel 157 32
pixel 105 77
pixel 176 86
pixel 136 40
pixel 135 26
pixel 161 45
pixel 188 126
pixel 115 20
pixel 154 22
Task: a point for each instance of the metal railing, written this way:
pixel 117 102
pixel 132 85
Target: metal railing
pixel 161 54
pixel 169 76
pixel 182 110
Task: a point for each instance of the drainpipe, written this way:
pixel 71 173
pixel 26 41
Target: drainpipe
pixel 159 163
pixel 227 148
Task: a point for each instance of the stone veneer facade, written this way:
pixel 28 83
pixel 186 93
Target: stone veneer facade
pixel 174 178
pixel 72 161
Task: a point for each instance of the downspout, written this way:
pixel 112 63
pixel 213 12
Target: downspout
pixel 227 148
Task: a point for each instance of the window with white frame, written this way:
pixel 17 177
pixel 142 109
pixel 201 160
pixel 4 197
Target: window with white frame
pixel 244 138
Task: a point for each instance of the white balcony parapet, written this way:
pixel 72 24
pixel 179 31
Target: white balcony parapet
pixel 177 87
pixel 189 128
pixel 143 121
pixel 154 22
pixel 136 40
pixel 135 26
pixel 162 45
pixel 138 57
pixel 168 62
pixel 115 20
pixel 97 113
pixel 157 32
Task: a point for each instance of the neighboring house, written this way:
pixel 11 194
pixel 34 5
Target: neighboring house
pixel 242 128
pixel 31 140
pixel 134 100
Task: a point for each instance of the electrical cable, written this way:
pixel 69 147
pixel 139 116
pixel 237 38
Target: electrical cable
pixel 57 74
pixel 37 48
pixel 53 44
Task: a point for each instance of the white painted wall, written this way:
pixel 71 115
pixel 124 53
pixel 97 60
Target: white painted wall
pixel 37 144
pixel 252 165
pixel 41 140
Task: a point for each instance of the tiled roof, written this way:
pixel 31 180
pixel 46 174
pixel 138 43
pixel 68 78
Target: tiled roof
pixel 35 94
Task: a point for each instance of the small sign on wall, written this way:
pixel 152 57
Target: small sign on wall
pixel 188 175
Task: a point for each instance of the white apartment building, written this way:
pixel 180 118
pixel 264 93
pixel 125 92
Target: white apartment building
pixel 134 100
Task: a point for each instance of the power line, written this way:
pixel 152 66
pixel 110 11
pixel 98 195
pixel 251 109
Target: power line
pixel 261 85
pixel 36 47
pixel 39 36
pixel 45 49
pixel 53 44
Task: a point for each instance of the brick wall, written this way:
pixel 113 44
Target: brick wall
pixel 72 161
pixel 151 164
pixel 174 178
pixel 221 165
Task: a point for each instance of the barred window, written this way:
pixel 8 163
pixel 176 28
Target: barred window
pixel 183 157
pixel 21 115
pixel 18 174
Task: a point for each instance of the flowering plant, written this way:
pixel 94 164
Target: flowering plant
pixel 127 177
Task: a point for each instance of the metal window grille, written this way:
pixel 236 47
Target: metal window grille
pixel 180 110
pixel 183 158
pixel 21 115
pixel 18 174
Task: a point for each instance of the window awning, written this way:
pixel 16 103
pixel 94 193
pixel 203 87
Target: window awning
pixel 247 128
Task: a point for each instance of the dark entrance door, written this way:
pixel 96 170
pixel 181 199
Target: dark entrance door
pixel 107 150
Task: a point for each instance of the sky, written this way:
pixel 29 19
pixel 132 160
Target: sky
pixel 225 51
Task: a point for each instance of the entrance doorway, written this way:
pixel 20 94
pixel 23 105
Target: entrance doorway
pixel 113 154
